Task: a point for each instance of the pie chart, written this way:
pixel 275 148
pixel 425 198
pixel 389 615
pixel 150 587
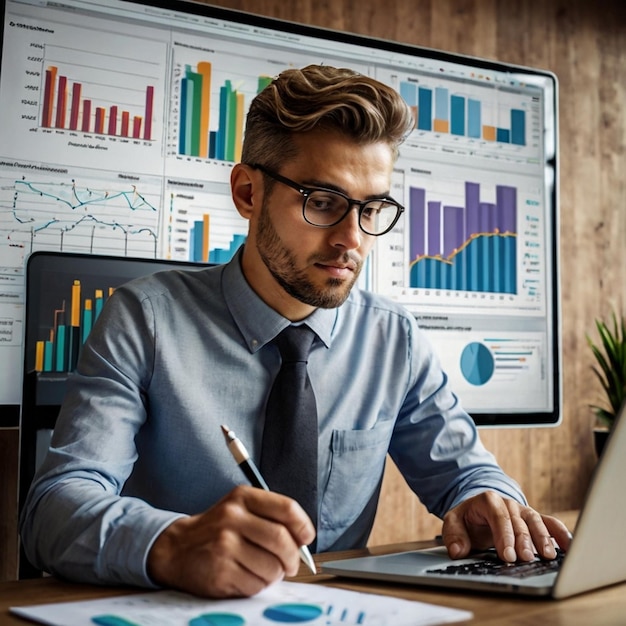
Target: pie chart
pixel 477 363
pixel 218 619
pixel 292 613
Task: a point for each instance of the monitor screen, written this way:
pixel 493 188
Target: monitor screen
pixel 121 122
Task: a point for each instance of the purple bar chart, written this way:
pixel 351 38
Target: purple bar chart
pixel 467 247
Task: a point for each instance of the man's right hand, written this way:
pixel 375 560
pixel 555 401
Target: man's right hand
pixel 248 540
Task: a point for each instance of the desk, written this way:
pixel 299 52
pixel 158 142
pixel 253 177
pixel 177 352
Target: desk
pixel 606 607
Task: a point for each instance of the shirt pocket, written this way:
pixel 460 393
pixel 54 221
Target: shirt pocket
pixel 356 466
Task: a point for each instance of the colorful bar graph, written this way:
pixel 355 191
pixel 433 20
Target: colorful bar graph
pixel 64 107
pixel 444 112
pixel 199 134
pixel 223 255
pixel 466 248
pixel 199 244
pixel 71 325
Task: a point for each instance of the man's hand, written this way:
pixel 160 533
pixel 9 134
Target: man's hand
pixel 245 542
pixel 516 531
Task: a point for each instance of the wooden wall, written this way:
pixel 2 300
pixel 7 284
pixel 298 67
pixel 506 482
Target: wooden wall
pixel 584 43
pixel 9 445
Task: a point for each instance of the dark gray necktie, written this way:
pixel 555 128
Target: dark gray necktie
pixel 289 451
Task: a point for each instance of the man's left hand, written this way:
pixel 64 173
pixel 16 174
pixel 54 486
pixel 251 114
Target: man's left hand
pixel 517 532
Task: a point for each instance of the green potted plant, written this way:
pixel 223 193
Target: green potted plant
pixel 610 368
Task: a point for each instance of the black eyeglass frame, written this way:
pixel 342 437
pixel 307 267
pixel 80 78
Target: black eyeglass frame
pixel 307 191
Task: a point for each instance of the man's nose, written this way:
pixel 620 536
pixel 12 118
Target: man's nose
pixel 347 233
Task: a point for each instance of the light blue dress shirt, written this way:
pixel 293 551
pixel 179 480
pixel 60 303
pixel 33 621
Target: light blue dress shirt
pixel 173 356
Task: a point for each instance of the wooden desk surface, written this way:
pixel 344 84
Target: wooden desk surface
pixel 600 608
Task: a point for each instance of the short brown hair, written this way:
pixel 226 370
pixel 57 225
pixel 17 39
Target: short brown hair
pixel 321 97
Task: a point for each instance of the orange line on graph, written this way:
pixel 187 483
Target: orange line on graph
pixel 450 258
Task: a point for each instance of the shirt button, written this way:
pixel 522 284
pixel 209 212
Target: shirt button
pixel 254 343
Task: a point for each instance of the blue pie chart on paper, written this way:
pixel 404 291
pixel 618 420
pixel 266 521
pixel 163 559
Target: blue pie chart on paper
pixel 292 613
pixel 111 620
pixel 218 619
pixel 477 364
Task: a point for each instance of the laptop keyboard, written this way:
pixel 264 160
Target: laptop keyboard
pixel 490 564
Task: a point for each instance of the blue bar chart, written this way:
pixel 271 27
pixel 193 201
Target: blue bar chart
pixel 203 227
pixel 439 109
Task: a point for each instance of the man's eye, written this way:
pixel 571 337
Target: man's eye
pixel 323 203
pixel 372 210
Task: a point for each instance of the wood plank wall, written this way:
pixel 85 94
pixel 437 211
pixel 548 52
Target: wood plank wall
pixel 9 446
pixel 584 43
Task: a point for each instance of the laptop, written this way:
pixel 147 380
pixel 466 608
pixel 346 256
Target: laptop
pixel 594 559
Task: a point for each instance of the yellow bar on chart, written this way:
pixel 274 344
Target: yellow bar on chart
pixel 206 223
pixel 204 69
pixel 489 133
pixel 239 127
pixel 75 310
pixel 39 348
pixel 441 126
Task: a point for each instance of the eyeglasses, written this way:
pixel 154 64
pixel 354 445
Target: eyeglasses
pixel 325 207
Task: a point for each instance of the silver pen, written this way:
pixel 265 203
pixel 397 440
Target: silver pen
pixel 240 454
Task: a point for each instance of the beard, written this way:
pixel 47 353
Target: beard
pixel 281 263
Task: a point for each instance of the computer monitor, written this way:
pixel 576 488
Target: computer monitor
pixel 121 122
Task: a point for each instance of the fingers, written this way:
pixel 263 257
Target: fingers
pixel 280 509
pixel 537 534
pixel 516 531
pixel 530 533
pixel 558 531
pixel 479 523
pixel 455 535
pixel 248 540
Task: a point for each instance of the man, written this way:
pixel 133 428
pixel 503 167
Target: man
pixel 138 486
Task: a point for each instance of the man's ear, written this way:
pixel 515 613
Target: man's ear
pixel 242 189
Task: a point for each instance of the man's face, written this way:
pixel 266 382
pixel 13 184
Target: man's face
pixel 294 266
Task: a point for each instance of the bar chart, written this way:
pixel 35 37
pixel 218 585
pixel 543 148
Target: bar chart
pixel 65 107
pixel 441 110
pixel 98 95
pixel 211 120
pixel 468 247
pixel 70 325
pixel 203 227
pixel 199 246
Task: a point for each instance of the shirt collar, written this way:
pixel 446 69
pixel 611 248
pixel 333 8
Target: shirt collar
pixel 258 322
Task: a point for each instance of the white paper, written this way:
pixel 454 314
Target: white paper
pixel 281 603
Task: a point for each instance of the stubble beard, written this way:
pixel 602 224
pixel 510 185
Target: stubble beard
pixel 282 265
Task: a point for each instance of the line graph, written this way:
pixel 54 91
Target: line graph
pixel 78 214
